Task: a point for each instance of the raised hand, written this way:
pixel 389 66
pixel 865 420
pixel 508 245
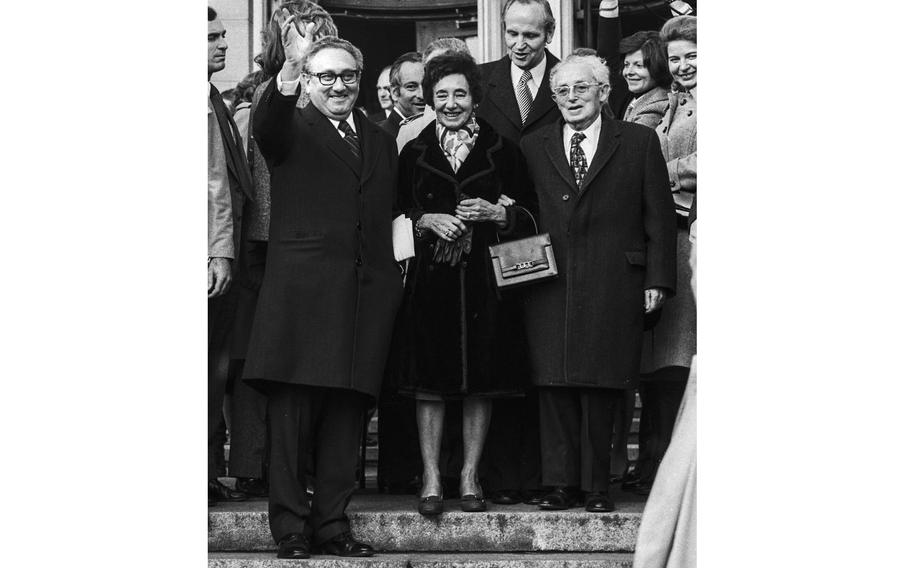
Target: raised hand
pixel 295 41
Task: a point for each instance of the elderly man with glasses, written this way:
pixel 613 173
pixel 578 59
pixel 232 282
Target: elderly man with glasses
pixel 331 287
pixel 605 200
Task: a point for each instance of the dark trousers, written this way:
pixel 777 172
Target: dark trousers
pixel 220 319
pixel 576 432
pixel 511 458
pixel 661 394
pixel 329 423
pixel 248 427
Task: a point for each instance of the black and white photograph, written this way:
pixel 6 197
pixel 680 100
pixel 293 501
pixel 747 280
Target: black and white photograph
pixel 451 304
pixel 453 312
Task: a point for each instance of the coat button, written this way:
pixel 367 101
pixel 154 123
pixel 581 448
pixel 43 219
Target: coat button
pixel 665 130
pixel 690 113
pixel 565 197
pixel 359 226
pixel 682 102
pixel 359 261
pixel 429 196
pixel 672 184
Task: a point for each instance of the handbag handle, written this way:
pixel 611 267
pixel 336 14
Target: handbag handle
pixel 536 230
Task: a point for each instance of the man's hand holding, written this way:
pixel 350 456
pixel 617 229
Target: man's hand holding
pixel 296 42
pixel 219 276
pixel 654 298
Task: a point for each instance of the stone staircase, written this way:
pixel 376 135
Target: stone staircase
pixel 513 536
pixel 502 537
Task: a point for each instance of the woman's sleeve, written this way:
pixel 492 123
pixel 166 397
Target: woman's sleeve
pixel 683 174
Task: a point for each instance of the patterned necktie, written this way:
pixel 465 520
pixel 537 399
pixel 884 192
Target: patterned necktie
pixel 523 94
pixel 577 158
pixel 350 138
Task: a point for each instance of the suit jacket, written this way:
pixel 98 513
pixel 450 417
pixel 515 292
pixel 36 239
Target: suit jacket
pixel 392 123
pixel 331 286
pixel 648 109
pixel 499 106
pixel 612 239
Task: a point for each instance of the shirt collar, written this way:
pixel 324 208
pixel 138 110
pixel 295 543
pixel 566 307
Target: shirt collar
pixel 536 72
pixel 349 120
pixel 592 132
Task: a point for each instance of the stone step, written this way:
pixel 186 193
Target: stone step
pixel 390 523
pixel 424 560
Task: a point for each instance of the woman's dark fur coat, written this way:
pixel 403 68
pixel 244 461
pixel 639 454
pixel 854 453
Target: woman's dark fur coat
pixel 443 345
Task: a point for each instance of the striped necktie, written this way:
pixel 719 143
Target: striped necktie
pixel 351 138
pixel 523 94
pixel 577 158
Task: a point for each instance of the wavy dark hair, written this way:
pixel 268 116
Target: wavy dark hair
pixel 452 64
pixel 653 52
pixel 244 90
pixel 212 14
pixel 272 57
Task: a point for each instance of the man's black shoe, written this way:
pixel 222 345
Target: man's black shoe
pixel 252 486
pixel 294 546
pixel 345 545
pixel 220 492
pixel 506 497
pixel 534 497
pixel 559 499
pixel 599 503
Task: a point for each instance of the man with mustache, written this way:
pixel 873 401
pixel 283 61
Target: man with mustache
pixel 331 287
pixel 518 101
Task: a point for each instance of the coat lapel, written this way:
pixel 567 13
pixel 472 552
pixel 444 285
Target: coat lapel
pixel 553 145
pixel 606 146
pixel 324 130
pixel 543 102
pixel 502 94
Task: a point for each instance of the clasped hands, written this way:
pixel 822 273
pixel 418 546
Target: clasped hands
pixel 473 210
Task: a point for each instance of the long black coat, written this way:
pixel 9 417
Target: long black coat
pixel 612 239
pixel 455 335
pixel 499 106
pixel 331 287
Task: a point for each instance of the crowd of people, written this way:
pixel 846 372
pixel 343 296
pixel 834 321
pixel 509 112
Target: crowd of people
pixel 350 269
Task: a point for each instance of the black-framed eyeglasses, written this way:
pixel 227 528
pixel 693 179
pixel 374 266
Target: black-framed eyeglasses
pixel 328 78
pixel 562 92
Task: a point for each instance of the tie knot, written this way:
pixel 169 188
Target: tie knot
pixel 345 128
pixel 578 137
pixel 526 76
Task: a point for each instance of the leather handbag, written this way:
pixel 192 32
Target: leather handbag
pixel 523 261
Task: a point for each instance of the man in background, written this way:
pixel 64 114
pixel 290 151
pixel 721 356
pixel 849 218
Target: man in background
pixel 229 181
pixel 405 77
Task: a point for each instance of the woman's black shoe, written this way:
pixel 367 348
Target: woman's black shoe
pixel 430 506
pixel 473 503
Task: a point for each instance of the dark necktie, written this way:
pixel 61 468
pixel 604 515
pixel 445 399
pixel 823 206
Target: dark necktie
pixel 523 93
pixel 351 138
pixel 577 158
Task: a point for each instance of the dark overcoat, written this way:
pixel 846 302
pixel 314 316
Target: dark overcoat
pixel 456 335
pixel 612 238
pixel 499 106
pixel 331 287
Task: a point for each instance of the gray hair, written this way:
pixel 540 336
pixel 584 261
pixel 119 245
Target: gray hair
pixel 330 42
pixel 445 45
pixel 549 21
pixel 597 64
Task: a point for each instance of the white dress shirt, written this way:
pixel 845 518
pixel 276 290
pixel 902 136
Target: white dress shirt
pixel 290 87
pixel 537 77
pixel 588 145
